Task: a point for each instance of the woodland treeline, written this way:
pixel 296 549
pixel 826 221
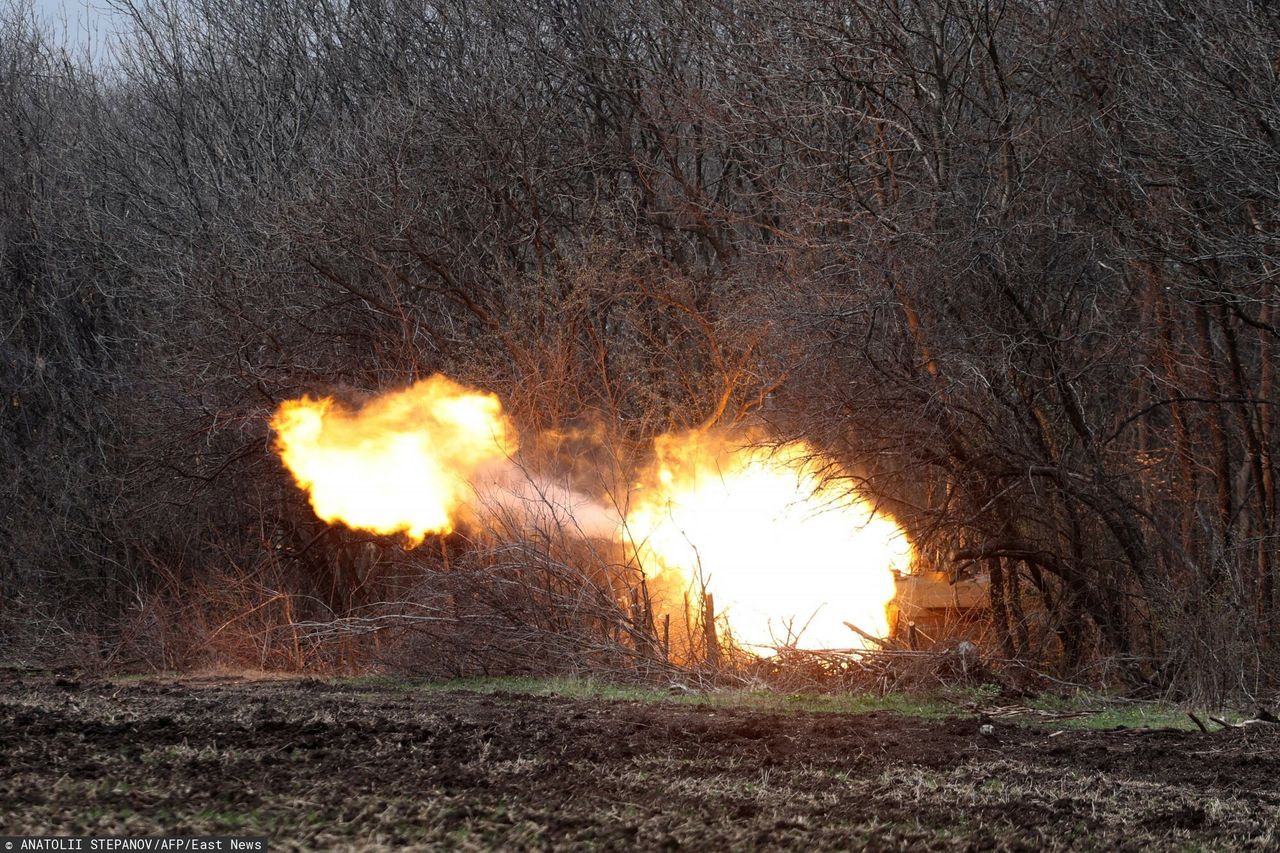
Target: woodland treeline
pixel 1013 263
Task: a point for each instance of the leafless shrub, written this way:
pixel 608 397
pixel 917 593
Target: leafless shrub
pixel 1012 265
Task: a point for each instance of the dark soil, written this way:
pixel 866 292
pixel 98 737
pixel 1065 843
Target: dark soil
pixel 320 765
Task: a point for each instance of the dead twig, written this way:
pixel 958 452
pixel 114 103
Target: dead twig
pixel 883 643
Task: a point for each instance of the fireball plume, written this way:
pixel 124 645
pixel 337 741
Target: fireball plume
pixel 787 554
pixel 403 463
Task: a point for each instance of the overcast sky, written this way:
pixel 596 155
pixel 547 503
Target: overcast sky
pixel 86 23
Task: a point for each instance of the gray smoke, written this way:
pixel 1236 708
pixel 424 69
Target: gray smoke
pixel 509 495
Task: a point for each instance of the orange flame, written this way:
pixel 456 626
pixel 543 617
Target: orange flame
pixel 784 550
pixel 403 463
pixel 789 554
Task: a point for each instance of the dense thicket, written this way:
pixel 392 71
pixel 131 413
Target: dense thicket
pixel 1013 262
